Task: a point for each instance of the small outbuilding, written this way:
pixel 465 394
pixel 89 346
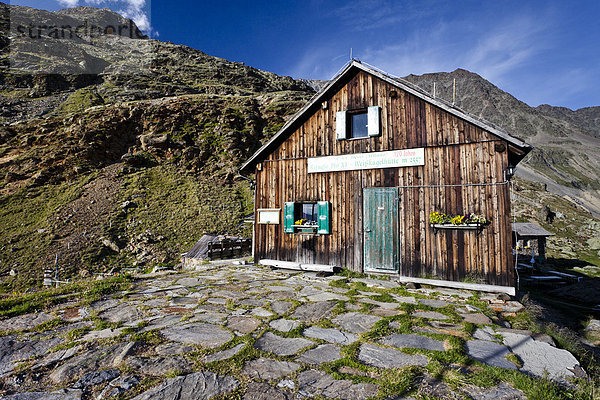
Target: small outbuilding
pixel 530 237
pixel 376 175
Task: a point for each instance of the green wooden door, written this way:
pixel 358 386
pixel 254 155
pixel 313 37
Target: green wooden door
pixel 380 211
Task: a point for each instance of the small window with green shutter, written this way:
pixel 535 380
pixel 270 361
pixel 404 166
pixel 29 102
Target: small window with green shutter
pixel 324 224
pixel 306 217
pixel 288 217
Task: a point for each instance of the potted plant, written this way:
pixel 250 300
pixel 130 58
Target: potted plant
pixel 305 226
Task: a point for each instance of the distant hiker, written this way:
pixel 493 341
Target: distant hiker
pixel 549 214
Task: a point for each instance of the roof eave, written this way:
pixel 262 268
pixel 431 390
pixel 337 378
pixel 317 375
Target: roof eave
pixel 521 148
pixel 252 161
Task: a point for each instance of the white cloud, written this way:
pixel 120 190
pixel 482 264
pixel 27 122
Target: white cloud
pixel 494 52
pixel 69 3
pixel 137 10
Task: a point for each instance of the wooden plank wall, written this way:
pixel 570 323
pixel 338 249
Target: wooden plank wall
pixel 456 152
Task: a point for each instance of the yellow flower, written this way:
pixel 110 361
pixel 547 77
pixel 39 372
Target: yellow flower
pixel 457 220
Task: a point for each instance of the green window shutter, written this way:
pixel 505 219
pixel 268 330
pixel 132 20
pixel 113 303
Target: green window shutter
pixel 324 223
pixel 340 125
pixel 374 124
pixel 288 217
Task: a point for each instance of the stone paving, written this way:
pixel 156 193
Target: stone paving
pixel 256 333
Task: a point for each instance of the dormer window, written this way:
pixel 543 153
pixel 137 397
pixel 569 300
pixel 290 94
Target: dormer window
pixel 358 124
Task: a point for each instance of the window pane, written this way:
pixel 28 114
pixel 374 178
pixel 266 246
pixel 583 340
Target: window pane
pixel 359 125
pixel 309 212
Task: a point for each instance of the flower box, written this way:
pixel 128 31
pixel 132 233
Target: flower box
pixel 470 226
pixel 305 228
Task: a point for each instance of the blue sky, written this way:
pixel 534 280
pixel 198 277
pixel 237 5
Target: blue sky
pixel 542 52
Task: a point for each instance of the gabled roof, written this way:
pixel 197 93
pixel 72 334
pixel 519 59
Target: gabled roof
pixel 516 145
pixel 528 229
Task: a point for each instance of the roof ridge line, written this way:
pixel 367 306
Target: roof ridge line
pixel 417 87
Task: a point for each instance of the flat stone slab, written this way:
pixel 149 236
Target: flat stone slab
pixel 243 325
pixel 201 385
pixel 180 301
pixel 159 366
pixel 25 322
pixel 171 349
pixel 321 354
pixel 501 392
pixel 210 317
pixel 267 369
pixel 102 334
pixel 540 358
pixel 13 351
pixel 229 294
pixel 281 346
pixel 98 358
pixel 430 315
pixel 318 383
pixel 434 388
pixel 190 282
pixel 330 335
pixel 224 355
pixel 385 312
pixel 477 319
pixel 422 329
pixel 324 296
pixel 401 340
pixel 55 357
pixel 162 322
pixel 102 305
pixel 404 299
pixel 62 394
pixel 280 307
pixel 356 322
pixel 214 308
pixel 444 325
pixel 313 312
pixel 507 307
pixel 377 283
pixel 279 288
pixel 363 293
pixel 384 357
pixel 281 295
pixel 485 334
pixel 119 386
pixel 261 312
pixel 433 303
pixel 206 335
pixel 122 313
pixel 284 325
pixel 74 314
pixel 253 302
pixel 489 353
pixel 96 377
pixel 381 304
pixel 264 391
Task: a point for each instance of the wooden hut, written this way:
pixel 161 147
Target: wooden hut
pixel 530 240
pixel 352 179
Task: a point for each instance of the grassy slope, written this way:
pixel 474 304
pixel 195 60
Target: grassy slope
pixel 572 228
